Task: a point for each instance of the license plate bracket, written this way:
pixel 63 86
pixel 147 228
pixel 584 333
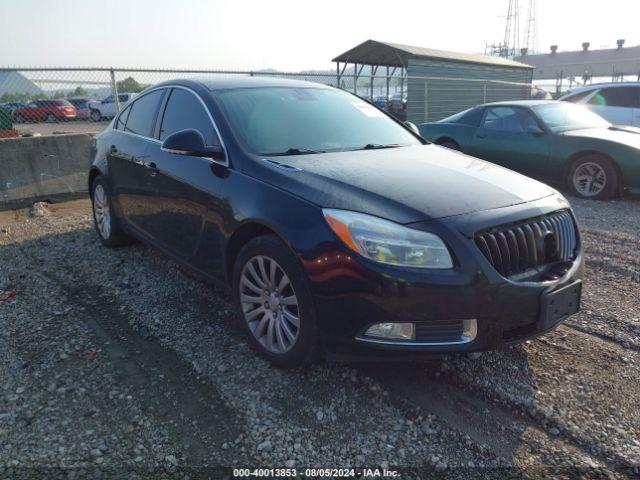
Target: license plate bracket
pixel 559 304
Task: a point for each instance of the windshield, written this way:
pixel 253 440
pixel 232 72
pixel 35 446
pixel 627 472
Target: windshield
pixel 280 120
pixel 560 117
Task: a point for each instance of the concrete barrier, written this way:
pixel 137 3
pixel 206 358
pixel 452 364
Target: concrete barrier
pixel 43 168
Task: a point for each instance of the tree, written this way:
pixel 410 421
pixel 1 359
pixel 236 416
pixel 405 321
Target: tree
pixel 129 85
pixel 80 92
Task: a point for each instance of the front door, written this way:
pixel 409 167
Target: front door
pixel 512 137
pixel 187 192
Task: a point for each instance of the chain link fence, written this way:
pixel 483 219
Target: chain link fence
pixel 46 101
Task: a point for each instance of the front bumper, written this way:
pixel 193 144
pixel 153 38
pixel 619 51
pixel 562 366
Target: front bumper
pixel 352 293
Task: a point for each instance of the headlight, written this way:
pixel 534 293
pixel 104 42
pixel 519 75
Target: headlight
pixel 387 242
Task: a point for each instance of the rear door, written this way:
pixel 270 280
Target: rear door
pixel 512 137
pixel 128 161
pixel 616 104
pixel 185 191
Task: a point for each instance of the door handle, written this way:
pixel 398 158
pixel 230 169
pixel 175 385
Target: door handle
pixel 153 169
pixel 481 136
pixel 113 149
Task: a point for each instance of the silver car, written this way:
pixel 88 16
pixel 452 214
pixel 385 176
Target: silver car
pixel 619 103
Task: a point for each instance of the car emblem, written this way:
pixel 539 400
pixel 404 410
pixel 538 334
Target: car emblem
pixel 548 247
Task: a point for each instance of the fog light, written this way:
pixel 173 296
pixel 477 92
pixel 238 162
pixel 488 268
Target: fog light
pixel 396 331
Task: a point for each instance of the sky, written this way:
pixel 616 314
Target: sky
pixel 287 35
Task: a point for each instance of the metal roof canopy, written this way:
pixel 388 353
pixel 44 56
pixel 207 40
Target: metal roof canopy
pixel 376 53
pixel 585 63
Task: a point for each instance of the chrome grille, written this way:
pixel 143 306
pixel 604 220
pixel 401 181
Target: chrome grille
pixel 515 248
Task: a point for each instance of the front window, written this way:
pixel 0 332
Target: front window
pixel 277 120
pixel 560 117
pixel 508 119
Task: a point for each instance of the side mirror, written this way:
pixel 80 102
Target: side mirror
pixel 534 130
pixel 191 142
pixel 412 127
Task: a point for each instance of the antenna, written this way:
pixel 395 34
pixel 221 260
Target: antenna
pixel 531 35
pixel 511 41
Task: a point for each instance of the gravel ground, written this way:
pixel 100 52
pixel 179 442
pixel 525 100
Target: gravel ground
pixel 117 362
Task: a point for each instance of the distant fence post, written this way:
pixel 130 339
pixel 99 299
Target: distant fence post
pixel 114 89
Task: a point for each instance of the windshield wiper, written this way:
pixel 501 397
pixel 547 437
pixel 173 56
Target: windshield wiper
pixel 376 146
pixel 293 151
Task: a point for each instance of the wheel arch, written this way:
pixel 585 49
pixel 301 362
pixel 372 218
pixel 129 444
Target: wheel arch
pixel 246 232
pixel 93 173
pixel 446 138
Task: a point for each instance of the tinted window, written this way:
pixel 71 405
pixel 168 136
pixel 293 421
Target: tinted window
pixel 123 98
pixel 508 119
pixel 183 111
pixel 577 96
pixel 466 117
pixel 122 119
pixel 274 120
pixel 617 97
pixel 142 116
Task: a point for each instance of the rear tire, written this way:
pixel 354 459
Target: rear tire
pixel 104 218
pixel 450 144
pixel 95 115
pixel 20 119
pixel 274 303
pixel 594 176
pixel 51 118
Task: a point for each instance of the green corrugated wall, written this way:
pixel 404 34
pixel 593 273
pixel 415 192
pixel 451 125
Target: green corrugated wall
pixel 446 97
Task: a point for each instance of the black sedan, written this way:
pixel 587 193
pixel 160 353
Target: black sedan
pixel 339 231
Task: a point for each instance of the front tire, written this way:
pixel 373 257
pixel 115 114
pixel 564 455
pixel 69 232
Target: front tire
pixel 95 115
pixel 51 118
pixel 594 176
pixel 274 303
pixel 106 224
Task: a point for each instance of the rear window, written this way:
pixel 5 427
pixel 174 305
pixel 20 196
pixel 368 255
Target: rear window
pixel 470 117
pixel 62 103
pixel 628 97
pixel 142 115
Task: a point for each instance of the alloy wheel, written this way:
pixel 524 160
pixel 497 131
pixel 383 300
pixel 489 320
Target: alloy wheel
pixel 269 304
pixel 101 211
pixel 589 179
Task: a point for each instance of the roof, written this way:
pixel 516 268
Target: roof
pixel 596 63
pixel 522 103
pixel 596 86
pixel 14 82
pixel 223 82
pixel 373 52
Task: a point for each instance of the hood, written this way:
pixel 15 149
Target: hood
pixel 629 136
pixel 404 184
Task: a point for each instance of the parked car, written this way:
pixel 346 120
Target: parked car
pixel 398 102
pixel 338 230
pixel 11 106
pixel 554 141
pixel 82 107
pixel 619 103
pixel 381 101
pixel 105 109
pixel 45 110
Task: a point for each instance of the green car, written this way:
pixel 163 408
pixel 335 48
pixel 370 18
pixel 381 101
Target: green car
pixel 554 141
